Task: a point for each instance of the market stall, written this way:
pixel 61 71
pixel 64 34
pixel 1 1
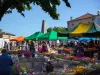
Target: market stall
pixel 52 35
pixel 34 36
pixel 83 30
pixel 19 39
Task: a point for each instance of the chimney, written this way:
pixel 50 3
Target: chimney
pixel 71 18
pixel 43 29
pixel 98 12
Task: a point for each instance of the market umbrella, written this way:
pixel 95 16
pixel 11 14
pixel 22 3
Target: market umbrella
pixel 34 36
pixel 51 35
pixel 19 39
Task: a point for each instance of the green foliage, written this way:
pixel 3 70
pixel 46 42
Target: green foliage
pixel 49 29
pixel 59 56
pixel 14 71
pixel 58 29
pixel 84 62
pixel 62 73
pixel 95 66
pixel 49 6
pixel 0 49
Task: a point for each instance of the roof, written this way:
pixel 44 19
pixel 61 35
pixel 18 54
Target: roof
pixel 10 34
pixel 87 15
pixel 5 33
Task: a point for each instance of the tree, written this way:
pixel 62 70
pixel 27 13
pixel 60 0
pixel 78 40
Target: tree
pixel 49 6
pixel 58 29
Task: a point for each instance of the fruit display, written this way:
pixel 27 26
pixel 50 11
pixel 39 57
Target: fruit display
pixel 78 69
pixel 50 52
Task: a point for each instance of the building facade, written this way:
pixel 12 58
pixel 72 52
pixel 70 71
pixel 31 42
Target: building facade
pixel 6 35
pixel 87 18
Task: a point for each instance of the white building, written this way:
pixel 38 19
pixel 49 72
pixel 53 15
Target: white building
pixel 4 36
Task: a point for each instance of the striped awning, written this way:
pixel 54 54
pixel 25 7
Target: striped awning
pixel 82 28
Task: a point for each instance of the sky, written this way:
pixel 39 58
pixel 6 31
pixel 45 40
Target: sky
pixel 24 26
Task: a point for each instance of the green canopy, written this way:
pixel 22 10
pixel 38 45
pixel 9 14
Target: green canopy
pixel 62 38
pixel 94 28
pixel 52 35
pixel 34 36
pixel 94 31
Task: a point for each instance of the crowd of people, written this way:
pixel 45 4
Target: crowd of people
pixel 6 61
pixel 81 46
pixel 44 46
pixel 32 46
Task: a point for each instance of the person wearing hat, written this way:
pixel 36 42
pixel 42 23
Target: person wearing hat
pixel 6 63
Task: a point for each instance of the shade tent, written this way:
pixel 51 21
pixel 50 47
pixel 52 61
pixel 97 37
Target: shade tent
pixel 64 34
pixel 84 30
pixel 62 38
pixel 94 31
pixel 92 34
pixel 52 35
pixel 34 36
pixel 19 39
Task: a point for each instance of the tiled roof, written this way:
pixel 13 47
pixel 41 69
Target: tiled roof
pixel 87 15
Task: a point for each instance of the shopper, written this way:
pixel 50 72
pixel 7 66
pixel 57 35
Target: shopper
pixel 32 48
pixel 6 63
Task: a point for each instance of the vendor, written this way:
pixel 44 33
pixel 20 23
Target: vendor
pixel 92 44
pixel 40 48
pixel 79 50
pixel 44 47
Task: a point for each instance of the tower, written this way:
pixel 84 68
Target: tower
pixel 43 29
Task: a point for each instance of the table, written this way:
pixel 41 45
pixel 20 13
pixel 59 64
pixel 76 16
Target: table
pixel 90 52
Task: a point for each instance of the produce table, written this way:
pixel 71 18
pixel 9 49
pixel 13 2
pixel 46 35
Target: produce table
pixel 90 52
pixel 68 49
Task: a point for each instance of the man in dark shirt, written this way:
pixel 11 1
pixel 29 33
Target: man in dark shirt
pixel 6 63
pixel 32 48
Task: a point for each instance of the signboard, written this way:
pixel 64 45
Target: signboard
pixel 5 36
